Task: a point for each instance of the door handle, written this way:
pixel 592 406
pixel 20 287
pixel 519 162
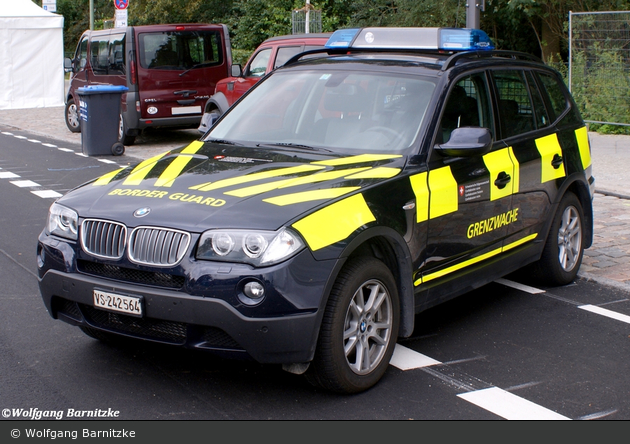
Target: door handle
pixel 557 161
pixel 502 180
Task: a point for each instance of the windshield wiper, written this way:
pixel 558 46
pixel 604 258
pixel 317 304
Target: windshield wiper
pixel 222 141
pixel 294 145
pixel 199 65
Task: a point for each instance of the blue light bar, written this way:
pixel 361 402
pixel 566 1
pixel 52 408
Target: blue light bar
pixel 446 39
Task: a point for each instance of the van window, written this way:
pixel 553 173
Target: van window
pixel 82 54
pixel 117 54
pixel 180 49
pixel 99 54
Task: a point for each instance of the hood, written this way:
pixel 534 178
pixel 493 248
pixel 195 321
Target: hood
pixel 208 185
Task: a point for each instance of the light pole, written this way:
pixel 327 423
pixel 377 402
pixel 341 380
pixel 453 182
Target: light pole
pixel 473 13
pixel 91 15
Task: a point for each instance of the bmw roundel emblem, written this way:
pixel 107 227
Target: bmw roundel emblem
pixel 141 212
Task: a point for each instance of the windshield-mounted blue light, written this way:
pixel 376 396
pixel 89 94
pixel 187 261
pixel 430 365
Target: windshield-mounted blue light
pixel 342 38
pixel 445 39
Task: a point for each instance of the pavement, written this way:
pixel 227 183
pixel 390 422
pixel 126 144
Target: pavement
pixel 607 261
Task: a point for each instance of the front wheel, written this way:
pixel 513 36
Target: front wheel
pixel 562 256
pixel 359 329
pixel 72 116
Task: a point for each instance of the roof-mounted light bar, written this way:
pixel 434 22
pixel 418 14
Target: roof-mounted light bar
pixel 446 39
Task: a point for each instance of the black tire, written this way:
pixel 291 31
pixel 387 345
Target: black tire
pixel 123 137
pixel 337 365
pixel 72 116
pixel 564 248
pixel 100 335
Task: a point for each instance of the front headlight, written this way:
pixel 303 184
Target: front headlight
pixel 63 221
pixel 253 247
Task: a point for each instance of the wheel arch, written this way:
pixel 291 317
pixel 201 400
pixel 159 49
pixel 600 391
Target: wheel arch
pixel 577 186
pixel 217 101
pixel 389 247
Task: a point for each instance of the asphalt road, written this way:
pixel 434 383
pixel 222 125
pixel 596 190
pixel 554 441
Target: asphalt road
pixel 496 353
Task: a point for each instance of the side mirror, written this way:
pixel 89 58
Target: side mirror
pixel 467 141
pixel 237 71
pixel 67 64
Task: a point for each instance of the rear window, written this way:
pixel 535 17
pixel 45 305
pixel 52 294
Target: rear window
pixel 180 50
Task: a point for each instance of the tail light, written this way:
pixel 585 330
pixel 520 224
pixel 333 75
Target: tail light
pixel 133 74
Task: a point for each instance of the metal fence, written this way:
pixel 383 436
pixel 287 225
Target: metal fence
pixel 299 21
pixel 599 65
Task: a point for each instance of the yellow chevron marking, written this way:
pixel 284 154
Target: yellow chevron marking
pixel 142 169
pixel 308 196
pixel 581 134
pixel 421 191
pixel 257 176
pixel 177 166
pixel 443 188
pixel 313 178
pixel 376 173
pixel 335 222
pixel 106 178
pixel 357 159
pixel 548 147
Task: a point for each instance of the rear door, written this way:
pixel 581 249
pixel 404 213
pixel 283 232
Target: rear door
pixel 178 68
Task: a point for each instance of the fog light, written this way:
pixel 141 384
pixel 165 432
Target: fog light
pixel 254 290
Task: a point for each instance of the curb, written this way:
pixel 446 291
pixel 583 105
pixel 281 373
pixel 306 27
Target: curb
pixel 604 281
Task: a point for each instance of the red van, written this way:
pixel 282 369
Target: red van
pixel 269 55
pixel 170 70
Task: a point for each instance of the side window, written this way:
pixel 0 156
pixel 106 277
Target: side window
pixel 554 92
pixel 515 108
pixel 81 54
pixel 258 65
pixel 117 54
pixel 540 112
pixel 467 105
pixel 284 54
pixel 99 54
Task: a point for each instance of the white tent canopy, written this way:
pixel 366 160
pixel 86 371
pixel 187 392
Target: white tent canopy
pixel 31 56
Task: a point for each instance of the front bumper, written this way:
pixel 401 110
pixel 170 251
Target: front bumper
pixel 205 313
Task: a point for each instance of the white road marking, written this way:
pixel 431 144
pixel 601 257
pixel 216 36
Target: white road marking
pixel 518 286
pixel 8 175
pixel 20 137
pixel 46 193
pixel 81 154
pixel 509 406
pixel 34 141
pixel 406 359
pixel 7 134
pixel 605 312
pixel 50 145
pixel 106 161
pixel 67 150
pixel 24 183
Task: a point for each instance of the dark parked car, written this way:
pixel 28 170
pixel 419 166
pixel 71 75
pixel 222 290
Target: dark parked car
pixel 345 193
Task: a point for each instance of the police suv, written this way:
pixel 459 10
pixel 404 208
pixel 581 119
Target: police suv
pixel 346 192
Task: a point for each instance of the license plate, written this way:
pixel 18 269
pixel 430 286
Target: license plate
pixel 130 305
pixel 186 110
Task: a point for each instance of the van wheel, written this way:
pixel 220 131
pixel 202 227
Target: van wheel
pixel 562 256
pixel 123 137
pixel 359 329
pixel 72 116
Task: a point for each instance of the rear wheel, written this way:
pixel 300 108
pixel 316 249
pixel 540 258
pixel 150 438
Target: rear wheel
pixel 72 116
pixel 359 329
pixel 562 256
pixel 123 137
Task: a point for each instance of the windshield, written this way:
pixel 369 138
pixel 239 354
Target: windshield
pixel 337 111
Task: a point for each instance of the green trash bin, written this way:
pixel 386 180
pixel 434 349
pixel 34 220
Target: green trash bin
pixel 99 115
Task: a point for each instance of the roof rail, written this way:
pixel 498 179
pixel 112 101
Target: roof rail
pixel 517 55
